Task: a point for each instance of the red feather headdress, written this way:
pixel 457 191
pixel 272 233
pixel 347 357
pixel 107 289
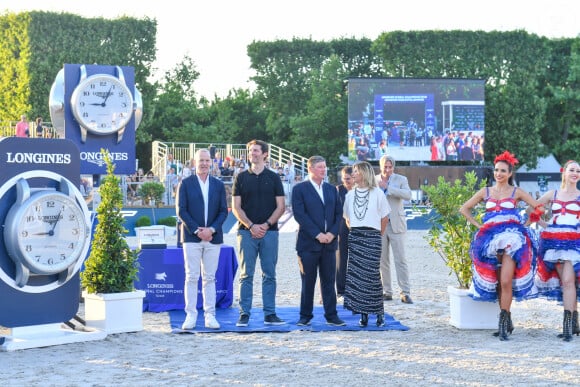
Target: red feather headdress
pixel 506 157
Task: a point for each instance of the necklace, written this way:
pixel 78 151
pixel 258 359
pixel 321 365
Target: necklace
pixel 361 203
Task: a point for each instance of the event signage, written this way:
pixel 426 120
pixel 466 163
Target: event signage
pixel 40 202
pixel 100 105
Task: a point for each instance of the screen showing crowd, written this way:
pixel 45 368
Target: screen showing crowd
pixel 416 119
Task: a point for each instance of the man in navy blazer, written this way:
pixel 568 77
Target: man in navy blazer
pixel 318 211
pixel 202 208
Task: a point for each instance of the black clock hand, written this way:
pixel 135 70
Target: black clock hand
pixel 108 95
pixel 51 232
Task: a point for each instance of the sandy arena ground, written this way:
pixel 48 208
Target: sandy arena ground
pixel 431 353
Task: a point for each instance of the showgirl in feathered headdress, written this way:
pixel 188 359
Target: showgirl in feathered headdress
pixel 558 260
pixel 502 246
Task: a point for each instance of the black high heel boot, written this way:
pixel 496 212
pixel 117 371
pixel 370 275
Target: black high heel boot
pixel 380 320
pixel 364 320
pixel 503 325
pixel 567 326
pixel 510 327
pixel 575 327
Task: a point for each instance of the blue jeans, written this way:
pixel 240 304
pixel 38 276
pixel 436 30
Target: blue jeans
pixel 249 250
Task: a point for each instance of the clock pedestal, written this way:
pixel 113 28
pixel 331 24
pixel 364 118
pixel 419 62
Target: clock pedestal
pixel 36 336
pixel 39 292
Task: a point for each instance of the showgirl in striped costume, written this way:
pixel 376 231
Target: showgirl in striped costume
pixel 502 250
pixel 558 272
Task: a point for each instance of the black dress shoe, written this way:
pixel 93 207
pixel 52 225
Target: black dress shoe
pixel 304 321
pixel 380 320
pixel 387 297
pixel 364 320
pixel 405 299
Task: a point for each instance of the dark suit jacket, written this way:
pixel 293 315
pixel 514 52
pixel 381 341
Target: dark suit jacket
pixel 315 217
pixel 190 208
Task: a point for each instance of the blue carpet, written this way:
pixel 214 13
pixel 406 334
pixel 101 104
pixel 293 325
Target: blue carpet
pixel 229 316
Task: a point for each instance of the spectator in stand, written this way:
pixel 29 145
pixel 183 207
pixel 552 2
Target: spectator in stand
pixel 170 163
pixel 186 171
pixel 22 127
pixel 217 161
pixel 150 176
pixel 290 175
pixel 138 179
pixel 241 167
pixel 171 182
pixel 130 189
pixel 49 133
pixel 39 128
pixel 226 171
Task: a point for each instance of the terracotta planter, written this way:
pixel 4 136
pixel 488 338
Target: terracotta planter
pixel 465 313
pixel 115 312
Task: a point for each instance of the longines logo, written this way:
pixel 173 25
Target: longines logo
pixel 97 157
pixel 37 158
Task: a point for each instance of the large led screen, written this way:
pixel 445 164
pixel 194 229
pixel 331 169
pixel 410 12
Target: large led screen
pixel 416 119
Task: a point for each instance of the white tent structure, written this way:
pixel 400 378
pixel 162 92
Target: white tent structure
pixel 548 169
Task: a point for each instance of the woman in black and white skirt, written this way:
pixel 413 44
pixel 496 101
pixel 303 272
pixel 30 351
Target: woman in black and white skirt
pixel 365 210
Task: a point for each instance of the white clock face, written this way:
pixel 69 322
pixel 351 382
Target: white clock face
pixel 50 232
pixel 102 104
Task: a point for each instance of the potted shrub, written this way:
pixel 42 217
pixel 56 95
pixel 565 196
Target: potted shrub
pixel 450 237
pixel 143 221
pixel 170 221
pixel 111 302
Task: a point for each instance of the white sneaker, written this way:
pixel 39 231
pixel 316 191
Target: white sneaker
pixel 190 321
pixel 211 322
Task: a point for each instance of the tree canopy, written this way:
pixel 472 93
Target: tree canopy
pixel 300 100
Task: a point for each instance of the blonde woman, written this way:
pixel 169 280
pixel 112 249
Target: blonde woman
pixel 559 256
pixel 365 210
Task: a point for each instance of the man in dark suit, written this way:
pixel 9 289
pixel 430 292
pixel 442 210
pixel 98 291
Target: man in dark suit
pixel 318 211
pixel 202 208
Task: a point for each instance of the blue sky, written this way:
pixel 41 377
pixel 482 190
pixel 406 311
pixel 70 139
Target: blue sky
pixel 215 34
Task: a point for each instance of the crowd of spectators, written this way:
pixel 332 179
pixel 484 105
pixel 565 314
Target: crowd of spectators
pixel 225 169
